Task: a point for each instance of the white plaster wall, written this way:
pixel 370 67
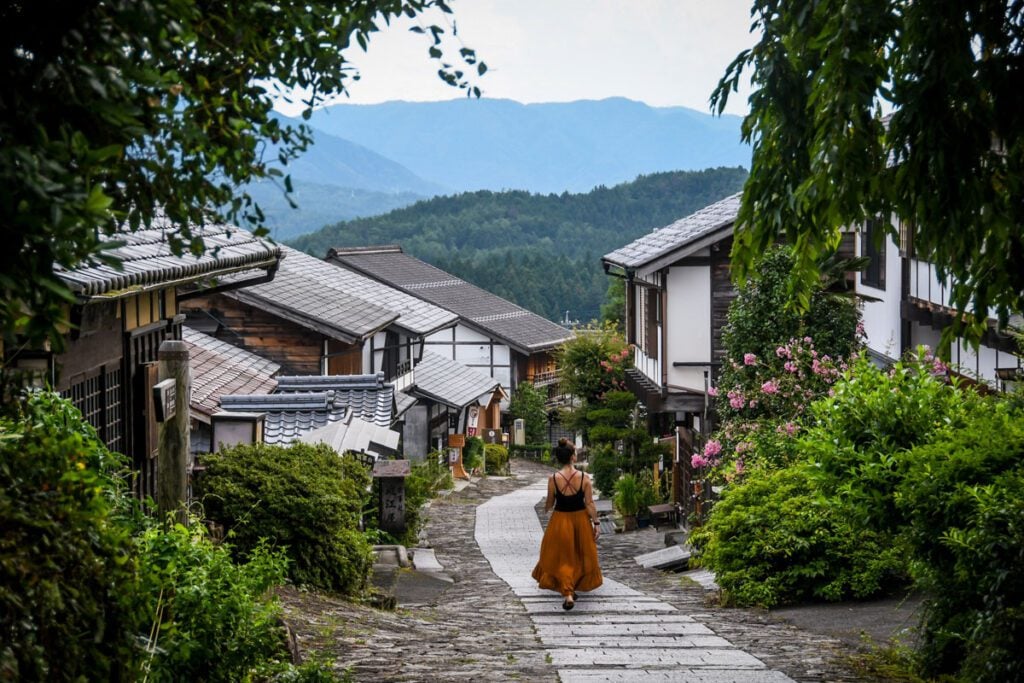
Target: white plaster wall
pixel 688 325
pixel 882 318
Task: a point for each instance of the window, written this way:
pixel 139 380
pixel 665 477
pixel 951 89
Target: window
pixel 872 246
pixel 650 315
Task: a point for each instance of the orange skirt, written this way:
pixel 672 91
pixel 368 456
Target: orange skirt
pixel 568 554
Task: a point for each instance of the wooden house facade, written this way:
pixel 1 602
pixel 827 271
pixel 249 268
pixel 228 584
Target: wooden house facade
pixel 109 363
pixel 907 305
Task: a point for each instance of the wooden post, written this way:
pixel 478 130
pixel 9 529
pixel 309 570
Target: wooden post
pixel 172 461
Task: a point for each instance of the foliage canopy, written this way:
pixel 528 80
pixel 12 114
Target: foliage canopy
pixel 115 111
pixel 949 162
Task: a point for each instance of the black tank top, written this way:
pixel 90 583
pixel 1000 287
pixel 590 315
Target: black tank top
pixel 568 503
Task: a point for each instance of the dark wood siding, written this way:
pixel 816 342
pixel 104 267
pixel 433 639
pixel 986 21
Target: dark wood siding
pixel 722 294
pixel 297 349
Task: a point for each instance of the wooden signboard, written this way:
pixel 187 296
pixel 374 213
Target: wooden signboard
pixel 456 440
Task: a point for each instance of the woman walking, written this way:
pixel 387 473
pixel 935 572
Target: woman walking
pixel 568 551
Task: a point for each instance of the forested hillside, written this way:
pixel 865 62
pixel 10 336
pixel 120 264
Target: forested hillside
pixel 540 251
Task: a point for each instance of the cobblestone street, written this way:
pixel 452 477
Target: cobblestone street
pixel 492 623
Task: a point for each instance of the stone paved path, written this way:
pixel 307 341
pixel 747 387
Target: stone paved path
pixel 615 633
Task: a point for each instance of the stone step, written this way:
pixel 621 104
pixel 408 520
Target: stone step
pixel 659 628
pixel 614 640
pixel 717 658
pixel 594 606
pixel 674 675
pixel 605 618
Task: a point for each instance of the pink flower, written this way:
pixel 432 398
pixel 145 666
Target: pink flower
pixel 790 366
pixel 753 403
pixel 770 387
pixel 749 359
pixel 712 391
pixel 697 460
pixel 808 340
pixel 739 466
pixel 736 400
pixel 783 352
pixel 743 447
pixel 712 448
pixel 790 428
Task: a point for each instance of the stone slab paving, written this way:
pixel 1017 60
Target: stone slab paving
pixel 508 533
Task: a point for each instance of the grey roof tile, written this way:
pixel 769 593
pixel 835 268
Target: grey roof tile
pixel 677 235
pixel 147 260
pixel 442 379
pixel 504 320
pixel 415 314
pixel 307 291
pixel 218 368
pixel 305 403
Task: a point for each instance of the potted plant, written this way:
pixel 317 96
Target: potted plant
pixel 627 500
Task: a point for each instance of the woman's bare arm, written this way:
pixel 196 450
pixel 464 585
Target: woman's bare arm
pixel 550 502
pixel 588 498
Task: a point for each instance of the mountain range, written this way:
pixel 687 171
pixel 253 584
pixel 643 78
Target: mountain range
pixel 369 159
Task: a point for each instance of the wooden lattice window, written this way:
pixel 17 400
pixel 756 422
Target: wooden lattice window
pixel 98 397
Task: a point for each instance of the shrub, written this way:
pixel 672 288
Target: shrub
pixel 495 459
pixel 604 464
pixel 68 582
pixel 472 454
pixel 303 498
pixel 627 497
pixel 964 499
pixel 863 431
pixel 773 539
pixel 216 619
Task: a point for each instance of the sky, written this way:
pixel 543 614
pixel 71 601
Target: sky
pixel 661 52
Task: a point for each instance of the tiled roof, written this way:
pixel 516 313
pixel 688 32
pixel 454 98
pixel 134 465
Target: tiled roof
pixel 309 292
pixel 415 314
pixel 663 241
pixel 305 403
pixel 287 416
pixel 353 434
pixel 504 320
pixel 219 368
pixel 367 396
pixel 147 261
pixel 444 380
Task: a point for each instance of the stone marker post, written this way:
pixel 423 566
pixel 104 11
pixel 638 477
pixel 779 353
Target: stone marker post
pixel 172 459
pixel 392 474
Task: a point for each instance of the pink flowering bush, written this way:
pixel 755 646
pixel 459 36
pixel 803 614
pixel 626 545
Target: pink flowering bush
pixel 761 403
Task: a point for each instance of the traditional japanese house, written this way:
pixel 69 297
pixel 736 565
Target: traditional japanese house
pixel 450 398
pixel 121 317
pixel 678 291
pixel 318 319
pixel 493 335
pixel 907 305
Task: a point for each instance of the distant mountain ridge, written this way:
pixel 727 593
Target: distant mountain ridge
pixel 469 144
pixel 369 159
